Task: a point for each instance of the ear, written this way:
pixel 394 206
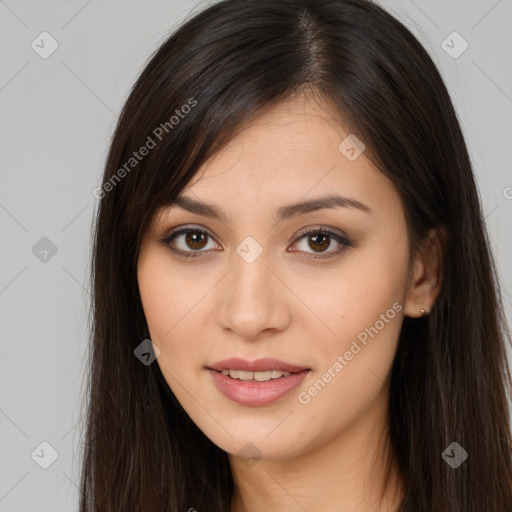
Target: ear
pixel 427 274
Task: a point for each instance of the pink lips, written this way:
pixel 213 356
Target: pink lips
pixel 254 393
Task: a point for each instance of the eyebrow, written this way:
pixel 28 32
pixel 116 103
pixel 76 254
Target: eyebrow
pixel 283 213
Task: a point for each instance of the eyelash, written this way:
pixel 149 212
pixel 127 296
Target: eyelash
pixel 166 240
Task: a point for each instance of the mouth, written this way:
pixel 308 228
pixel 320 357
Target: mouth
pixel 256 383
pixel 263 376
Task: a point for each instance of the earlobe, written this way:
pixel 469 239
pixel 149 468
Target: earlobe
pixel 427 275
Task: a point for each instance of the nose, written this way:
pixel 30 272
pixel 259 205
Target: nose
pixel 252 300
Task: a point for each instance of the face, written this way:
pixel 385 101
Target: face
pixel 321 288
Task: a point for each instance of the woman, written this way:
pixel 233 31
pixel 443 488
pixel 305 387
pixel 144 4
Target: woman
pixel 295 304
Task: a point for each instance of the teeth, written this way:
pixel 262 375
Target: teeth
pixel 262 376
pixel 258 376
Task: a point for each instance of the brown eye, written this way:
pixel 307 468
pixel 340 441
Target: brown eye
pixel 195 239
pixel 319 240
pixel 188 242
pixel 193 242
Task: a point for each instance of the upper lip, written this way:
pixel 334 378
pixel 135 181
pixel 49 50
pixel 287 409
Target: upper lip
pixel 259 365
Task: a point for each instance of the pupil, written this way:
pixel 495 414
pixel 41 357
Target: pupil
pixel 323 245
pixel 192 241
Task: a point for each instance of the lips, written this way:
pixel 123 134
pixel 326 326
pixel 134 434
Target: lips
pixel 252 392
pixel 256 394
pixel 259 365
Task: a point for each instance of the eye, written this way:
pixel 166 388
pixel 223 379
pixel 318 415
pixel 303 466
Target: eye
pixel 320 239
pixel 194 240
pixel 191 238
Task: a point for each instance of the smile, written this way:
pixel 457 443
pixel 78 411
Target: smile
pixel 257 376
pixel 248 390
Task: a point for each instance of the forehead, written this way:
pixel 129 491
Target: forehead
pixel 294 151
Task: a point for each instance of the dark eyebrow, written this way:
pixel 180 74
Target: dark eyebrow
pixel 283 213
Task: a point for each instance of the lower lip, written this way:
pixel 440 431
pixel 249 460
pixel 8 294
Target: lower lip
pixel 256 393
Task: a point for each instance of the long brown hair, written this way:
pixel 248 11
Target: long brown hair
pixel 450 380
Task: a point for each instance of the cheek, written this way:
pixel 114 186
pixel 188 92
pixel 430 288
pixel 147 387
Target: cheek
pixel 156 299
pixel 355 362
pixel 364 287
pixel 160 291
pixel 173 300
pixel 363 307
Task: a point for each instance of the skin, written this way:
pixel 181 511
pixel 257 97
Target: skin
pixel 328 454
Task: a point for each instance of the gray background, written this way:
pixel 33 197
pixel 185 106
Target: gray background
pixel 56 119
